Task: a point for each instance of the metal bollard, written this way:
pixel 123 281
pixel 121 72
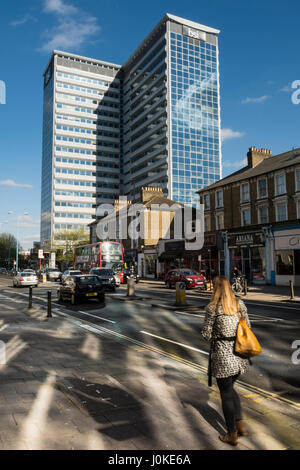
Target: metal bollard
pixel 180 294
pixel 245 287
pixel 292 289
pixel 30 298
pixel 49 305
pixel 130 287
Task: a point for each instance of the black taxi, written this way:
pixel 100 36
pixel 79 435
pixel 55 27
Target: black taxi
pixel 78 288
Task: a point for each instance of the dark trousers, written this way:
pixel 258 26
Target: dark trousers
pixel 230 401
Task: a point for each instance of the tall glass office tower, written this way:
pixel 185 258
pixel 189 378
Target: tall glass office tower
pixel 110 130
pixel 195 112
pixel 172 111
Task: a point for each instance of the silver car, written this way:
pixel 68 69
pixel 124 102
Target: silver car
pixel 31 271
pixel 25 279
pixel 53 274
pixel 70 272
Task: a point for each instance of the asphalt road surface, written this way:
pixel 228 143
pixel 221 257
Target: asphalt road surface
pixel 177 333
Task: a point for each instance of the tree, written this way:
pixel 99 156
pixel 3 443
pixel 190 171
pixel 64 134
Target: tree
pixel 65 241
pixel 8 249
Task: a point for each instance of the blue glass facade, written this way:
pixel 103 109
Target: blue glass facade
pixel 195 122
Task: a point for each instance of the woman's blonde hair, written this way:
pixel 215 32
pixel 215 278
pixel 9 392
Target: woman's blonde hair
pixel 224 296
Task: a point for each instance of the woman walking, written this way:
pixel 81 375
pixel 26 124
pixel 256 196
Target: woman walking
pixel 220 326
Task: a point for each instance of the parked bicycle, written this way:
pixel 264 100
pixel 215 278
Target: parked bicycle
pixel 238 284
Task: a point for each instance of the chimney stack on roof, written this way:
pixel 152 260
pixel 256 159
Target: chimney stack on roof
pixel 148 192
pixel 256 156
pixel 121 203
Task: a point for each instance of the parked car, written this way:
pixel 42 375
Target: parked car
pixel 190 278
pixel 79 288
pixel 53 274
pixel 25 279
pixel 106 276
pixel 69 272
pixel 117 279
pixel 129 273
pixel 3 271
pixel 29 271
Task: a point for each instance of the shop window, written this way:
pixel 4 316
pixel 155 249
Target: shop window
pixel 284 263
pixel 258 267
pixel 150 265
pixel 297 262
pixel 236 257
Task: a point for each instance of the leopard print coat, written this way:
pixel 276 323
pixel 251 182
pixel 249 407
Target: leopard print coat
pixel 225 362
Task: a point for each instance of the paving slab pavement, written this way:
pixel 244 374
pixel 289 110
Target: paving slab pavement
pixel 64 387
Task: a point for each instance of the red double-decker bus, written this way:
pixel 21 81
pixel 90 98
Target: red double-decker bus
pixel 106 254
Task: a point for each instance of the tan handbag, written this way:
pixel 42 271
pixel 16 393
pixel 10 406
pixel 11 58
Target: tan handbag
pixel 246 343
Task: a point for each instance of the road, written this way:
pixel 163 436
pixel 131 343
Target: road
pixel 177 333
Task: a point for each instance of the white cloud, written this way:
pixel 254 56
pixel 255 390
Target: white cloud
pixel 230 134
pixel 286 89
pixel 12 183
pixel 261 99
pixel 29 238
pixel 23 20
pixel 74 26
pixel 60 7
pixel 26 221
pixel 239 164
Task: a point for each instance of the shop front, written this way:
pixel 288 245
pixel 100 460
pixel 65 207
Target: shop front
pixel 247 253
pixel 286 255
pixel 174 255
pixel 147 263
pixel 208 257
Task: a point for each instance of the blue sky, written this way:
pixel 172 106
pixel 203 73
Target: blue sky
pixel 259 59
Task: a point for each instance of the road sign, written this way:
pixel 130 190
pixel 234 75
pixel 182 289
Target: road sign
pixel 41 254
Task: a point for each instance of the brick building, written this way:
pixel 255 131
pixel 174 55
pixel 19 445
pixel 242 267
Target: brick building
pixel 156 215
pixel 257 210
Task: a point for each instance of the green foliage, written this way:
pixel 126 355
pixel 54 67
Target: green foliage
pixel 66 240
pixel 8 244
